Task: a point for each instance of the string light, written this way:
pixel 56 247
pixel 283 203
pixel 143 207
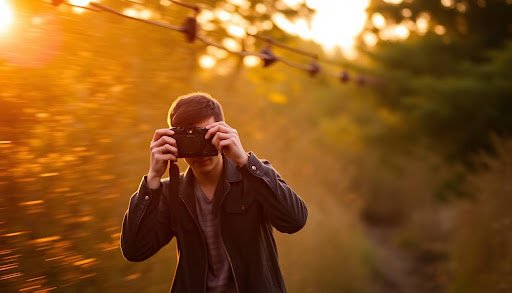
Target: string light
pixel 190 29
pixel 268 57
pixel 344 76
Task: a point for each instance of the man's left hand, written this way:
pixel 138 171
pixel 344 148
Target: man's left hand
pixel 226 140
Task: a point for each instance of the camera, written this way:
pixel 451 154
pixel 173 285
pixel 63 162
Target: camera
pixel 191 142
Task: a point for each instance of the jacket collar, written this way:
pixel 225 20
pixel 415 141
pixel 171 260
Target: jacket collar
pixel 231 174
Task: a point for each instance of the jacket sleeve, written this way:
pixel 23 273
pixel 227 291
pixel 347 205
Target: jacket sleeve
pixel 146 224
pixel 284 209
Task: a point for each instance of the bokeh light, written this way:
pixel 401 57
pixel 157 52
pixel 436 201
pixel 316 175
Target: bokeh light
pixel 207 61
pixel 231 44
pixel 378 20
pixel 83 3
pixel 251 61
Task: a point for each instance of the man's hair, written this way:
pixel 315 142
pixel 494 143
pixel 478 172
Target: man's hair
pixel 193 108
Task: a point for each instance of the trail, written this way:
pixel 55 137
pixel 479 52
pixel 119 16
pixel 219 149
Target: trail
pixel 396 271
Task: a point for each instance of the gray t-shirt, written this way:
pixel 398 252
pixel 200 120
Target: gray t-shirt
pixel 219 278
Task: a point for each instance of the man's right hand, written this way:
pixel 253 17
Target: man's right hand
pixel 163 149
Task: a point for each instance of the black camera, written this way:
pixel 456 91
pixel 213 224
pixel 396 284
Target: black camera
pixel 191 142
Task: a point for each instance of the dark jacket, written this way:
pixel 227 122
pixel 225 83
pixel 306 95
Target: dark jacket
pixel 254 199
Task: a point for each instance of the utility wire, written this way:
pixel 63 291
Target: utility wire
pixel 186 5
pixel 190 29
pixel 78 6
pixel 182 4
pixel 271 41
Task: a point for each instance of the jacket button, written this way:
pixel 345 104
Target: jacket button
pixel 253 167
pixel 147 197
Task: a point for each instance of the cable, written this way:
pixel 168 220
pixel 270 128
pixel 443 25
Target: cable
pixel 186 5
pixel 77 6
pixel 271 41
pixel 190 28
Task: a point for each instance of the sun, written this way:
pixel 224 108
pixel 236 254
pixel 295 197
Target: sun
pixel 6 16
pixel 334 25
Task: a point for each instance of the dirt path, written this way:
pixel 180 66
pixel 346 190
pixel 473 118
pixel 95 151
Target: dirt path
pixel 396 271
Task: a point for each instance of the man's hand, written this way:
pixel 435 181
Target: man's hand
pixel 163 149
pixel 226 140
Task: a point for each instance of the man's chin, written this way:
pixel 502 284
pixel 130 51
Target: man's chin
pixel 203 164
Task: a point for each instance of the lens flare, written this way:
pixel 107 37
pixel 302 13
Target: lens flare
pixel 335 24
pixel 33 40
pixel 6 16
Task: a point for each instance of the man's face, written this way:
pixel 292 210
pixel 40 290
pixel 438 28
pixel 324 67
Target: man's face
pixel 204 165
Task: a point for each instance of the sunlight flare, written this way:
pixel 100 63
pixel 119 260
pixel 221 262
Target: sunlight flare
pixel 31 41
pixel 334 25
pixel 6 16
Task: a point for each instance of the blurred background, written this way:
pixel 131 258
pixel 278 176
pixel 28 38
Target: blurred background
pixel 393 123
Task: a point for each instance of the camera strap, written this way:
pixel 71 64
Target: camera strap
pixel 174 176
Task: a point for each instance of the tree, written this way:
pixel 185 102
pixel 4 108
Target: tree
pixel 448 81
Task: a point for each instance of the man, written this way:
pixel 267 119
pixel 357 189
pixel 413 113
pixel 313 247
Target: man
pixel 223 214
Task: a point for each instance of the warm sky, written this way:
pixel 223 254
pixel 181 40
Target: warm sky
pixel 335 24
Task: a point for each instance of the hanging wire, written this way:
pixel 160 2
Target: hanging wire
pixel 241 53
pixel 57 2
pixel 190 28
pixel 313 68
pixel 273 42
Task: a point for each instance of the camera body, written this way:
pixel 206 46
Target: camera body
pixel 191 142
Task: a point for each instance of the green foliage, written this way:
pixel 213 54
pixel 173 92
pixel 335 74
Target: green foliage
pixel 450 94
pixel 451 90
pixel 483 24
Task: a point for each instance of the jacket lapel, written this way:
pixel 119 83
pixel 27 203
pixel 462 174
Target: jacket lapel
pixel 231 174
pixel 187 192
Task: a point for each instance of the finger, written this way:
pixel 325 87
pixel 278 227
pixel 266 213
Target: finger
pixel 219 136
pixel 169 149
pixel 165 149
pixel 163 141
pixel 222 124
pixel 162 132
pixel 156 151
pixel 168 140
pixel 220 128
pixel 211 131
pixel 227 143
pixel 166 157
pixel 215 124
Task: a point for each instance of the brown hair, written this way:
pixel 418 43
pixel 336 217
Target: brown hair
pixel 193 108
